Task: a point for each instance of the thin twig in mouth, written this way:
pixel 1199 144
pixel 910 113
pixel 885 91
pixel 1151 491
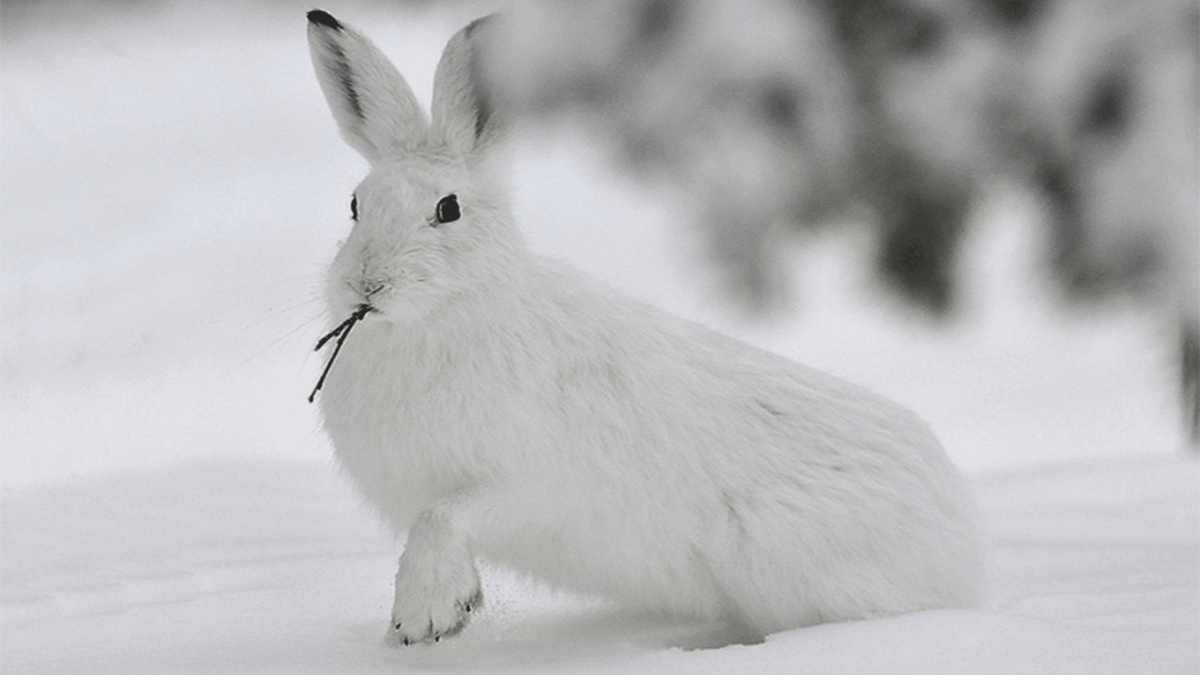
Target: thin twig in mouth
pixel 341 332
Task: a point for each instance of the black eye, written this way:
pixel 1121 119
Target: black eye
pixel 354 207
pixel 447 209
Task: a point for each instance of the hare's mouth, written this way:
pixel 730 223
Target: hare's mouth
pixel 341 332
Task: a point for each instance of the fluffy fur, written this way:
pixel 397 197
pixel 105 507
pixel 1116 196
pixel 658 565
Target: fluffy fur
pixel 496 404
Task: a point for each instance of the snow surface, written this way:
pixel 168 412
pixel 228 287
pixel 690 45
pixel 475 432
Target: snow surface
pixel 272 566
pixel 172 189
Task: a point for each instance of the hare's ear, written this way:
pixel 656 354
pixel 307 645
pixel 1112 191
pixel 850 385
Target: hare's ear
pixel 463 108
pixel 372 103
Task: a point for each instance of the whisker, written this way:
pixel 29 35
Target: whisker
pixel 302 326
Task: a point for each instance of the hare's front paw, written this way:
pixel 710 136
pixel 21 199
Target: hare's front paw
pixel 413 623
pixel 429 614
pixel 434 598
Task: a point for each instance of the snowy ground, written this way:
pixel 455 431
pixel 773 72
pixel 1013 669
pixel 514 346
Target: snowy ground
pixel 270 566
pixel 172 188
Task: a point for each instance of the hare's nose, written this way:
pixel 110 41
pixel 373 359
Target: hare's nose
pixel 366 289
pixel 371 287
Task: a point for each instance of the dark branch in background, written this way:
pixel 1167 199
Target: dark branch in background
pixel 1190 375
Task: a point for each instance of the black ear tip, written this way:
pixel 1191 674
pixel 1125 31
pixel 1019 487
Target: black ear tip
pixel 481 22
pixel 323 18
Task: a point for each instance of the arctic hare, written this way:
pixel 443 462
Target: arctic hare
pixel 492 403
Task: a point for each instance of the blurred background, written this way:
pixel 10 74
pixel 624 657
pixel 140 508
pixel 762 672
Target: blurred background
pixel 984 209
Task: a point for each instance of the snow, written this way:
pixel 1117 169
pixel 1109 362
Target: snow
pixel 172 189
pixel 271 566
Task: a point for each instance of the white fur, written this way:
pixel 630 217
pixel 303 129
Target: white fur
pixel 496 404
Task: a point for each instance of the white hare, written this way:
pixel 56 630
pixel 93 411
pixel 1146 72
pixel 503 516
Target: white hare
pixel 492 403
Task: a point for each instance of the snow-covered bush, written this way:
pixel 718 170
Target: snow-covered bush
pixel 781 115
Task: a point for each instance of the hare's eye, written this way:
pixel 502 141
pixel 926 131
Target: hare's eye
pixel 447 209
pixel 354 207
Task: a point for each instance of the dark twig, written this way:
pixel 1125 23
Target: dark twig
pixel 341 332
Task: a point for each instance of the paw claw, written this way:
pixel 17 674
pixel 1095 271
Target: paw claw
pixel 471 603
pixel 435 631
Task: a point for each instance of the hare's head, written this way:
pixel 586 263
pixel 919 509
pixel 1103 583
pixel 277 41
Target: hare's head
pixel 431 223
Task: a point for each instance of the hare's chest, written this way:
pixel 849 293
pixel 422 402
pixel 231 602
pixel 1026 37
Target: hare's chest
pixel 412 426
